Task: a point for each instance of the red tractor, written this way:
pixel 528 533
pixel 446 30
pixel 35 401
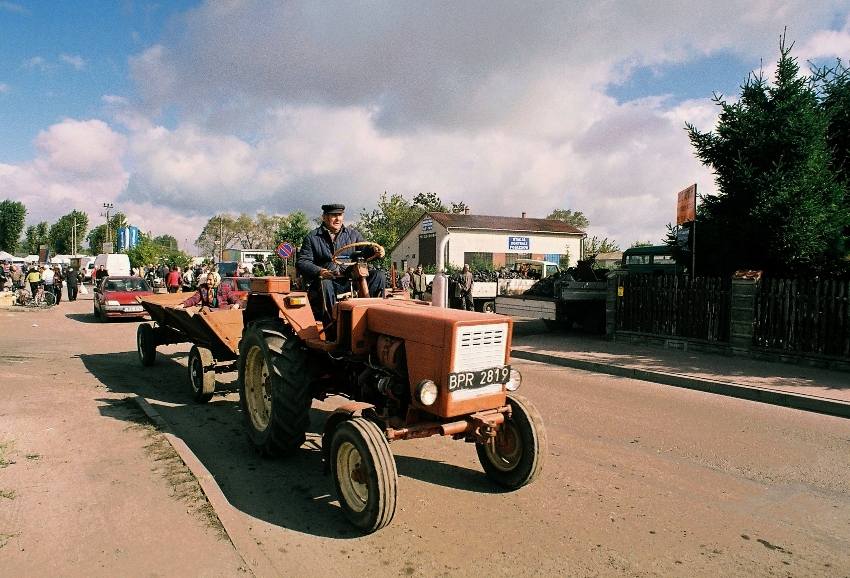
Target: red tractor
pixel 410 370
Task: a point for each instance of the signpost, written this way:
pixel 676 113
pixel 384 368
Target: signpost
pixel 284 251
pixel 686 212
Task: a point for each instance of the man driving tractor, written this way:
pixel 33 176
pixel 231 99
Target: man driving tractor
pixel 319 250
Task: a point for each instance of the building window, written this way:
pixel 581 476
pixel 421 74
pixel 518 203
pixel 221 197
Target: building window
pixel 510 258
pixel 478 261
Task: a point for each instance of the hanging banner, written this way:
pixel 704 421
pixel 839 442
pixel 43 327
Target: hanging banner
pixel 686 205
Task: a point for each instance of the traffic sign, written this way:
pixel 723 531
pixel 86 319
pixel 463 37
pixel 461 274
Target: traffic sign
pixel 285 250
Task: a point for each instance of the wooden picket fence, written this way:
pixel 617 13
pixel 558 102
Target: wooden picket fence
pixel 803 315
pixel 674 306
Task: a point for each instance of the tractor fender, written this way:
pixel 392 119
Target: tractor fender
pixel 343 413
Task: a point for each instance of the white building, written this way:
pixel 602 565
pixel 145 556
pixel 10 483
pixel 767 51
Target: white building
pixel 485 240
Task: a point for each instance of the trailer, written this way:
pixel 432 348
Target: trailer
pixel 213 333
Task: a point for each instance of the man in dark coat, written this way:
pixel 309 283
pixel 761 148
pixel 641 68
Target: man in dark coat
pixel 315 258
pixel 72 282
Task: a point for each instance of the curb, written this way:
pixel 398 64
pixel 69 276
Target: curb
pixel 255 560
pixel 759 394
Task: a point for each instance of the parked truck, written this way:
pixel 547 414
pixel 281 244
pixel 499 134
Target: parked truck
pixel 577 296
pixel 521 277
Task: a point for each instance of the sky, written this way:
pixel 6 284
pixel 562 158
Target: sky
pixel 174 112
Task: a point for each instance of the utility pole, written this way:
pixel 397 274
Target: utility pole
pixel 108 207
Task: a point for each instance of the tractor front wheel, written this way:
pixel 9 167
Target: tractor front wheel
pixel 201 374
pixel 274 392
pixel 515 456
pixel 364 474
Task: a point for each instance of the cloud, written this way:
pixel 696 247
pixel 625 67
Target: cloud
pixel 75 61
pixel 17 8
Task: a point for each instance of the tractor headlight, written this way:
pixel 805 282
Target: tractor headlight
pixel 515 381
pixel 426 392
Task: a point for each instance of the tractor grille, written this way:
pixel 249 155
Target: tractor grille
pixel 479 346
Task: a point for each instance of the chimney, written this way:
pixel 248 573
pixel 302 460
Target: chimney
pixel 523 214
pixel 466 211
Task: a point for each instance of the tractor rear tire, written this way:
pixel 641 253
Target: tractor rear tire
pixel 515 457
pixel 274 387
pixel 364 473
pixel 201 374
pixel 146 344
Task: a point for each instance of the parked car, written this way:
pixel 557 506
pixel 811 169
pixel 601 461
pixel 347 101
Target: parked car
pixel 240 285
pixel 116 297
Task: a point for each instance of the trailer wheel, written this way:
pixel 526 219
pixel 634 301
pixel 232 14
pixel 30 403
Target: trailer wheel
pixel 364 473
pixel 146 344
pixel 201 373
pixel 274 392
pixel 488 307
pixel 514 458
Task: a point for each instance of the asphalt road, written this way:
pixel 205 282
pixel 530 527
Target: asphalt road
pixel 641 480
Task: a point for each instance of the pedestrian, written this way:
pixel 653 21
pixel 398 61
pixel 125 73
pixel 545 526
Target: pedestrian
pixel 174 280
pixel 101 274
pixel 72 282
pixel 34 279
pixel 47 277
pixel 57 283
pixel 465 289
pixel 188 278
pixel 418 283
pixel 18 277
pixel 404 282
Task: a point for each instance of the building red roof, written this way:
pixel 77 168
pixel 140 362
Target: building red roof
pixel 463 221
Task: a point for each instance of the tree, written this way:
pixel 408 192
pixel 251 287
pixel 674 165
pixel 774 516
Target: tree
pixel 594 246
pixel 291 229
pixel 577 219
pixel 106 232
pixel 35 237
pixel 61 235
pixel 167 241
pixel 221 228
pixel 780 208
pixel 12 220
pixel 386 224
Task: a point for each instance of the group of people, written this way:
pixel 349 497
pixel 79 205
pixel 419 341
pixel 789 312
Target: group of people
pixel 414 281
pixel 51 278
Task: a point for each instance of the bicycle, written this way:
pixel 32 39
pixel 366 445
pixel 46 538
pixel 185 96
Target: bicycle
pixel 41 298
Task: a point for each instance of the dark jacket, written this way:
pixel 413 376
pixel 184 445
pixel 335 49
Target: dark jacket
pixel 217 297
pixel 317 250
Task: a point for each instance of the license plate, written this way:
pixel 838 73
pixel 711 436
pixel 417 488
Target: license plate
pixel 479 378
pixel 133 309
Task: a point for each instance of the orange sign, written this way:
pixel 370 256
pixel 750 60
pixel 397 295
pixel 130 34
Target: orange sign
pixel 686 206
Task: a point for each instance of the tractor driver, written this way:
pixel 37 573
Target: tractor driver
pixel 315 260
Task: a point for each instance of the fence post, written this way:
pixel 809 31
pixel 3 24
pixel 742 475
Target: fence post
pixel 611 302
pixel 742 302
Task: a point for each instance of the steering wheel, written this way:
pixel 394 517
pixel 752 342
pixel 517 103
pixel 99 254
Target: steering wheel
pixel 351 245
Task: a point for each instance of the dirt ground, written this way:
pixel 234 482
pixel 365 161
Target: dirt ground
pixel 641 479
pixel 88 487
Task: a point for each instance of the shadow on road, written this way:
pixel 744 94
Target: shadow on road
pixel 290 492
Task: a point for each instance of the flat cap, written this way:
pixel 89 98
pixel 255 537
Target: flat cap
pixel 333 209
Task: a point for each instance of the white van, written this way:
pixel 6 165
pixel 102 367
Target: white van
pixel 114 263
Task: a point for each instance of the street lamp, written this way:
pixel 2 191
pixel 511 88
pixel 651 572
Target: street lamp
pixel 107 207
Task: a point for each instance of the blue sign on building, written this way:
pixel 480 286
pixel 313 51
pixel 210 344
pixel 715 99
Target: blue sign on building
pixel 519 244
pixel 427 224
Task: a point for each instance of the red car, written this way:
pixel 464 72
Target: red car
pixel 240 285
pixel 116 298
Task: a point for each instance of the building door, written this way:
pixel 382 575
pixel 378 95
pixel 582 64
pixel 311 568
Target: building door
pixel 428 249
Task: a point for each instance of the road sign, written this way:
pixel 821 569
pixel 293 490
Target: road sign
pixel 285 250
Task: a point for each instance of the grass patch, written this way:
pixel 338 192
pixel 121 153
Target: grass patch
pixel 4 538
pixel 4 448
pixel 8 494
